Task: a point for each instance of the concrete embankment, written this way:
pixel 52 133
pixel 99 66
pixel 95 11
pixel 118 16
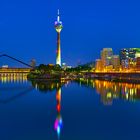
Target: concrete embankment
pixel 120 77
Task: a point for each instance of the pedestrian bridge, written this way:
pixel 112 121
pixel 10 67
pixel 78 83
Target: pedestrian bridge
pixel 14 71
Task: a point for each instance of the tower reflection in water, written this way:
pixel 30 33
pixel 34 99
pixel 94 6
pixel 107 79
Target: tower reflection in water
pixel 58 122
pixel 110 91
pixel 48 87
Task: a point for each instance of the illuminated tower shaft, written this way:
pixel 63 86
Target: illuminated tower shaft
pixel 58 52
pixel 58 27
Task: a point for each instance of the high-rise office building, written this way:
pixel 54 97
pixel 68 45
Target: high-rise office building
pixel 138 63
pixel 98 65
pixel 137 52
pixel 115 62
pixel 106 55
pixel 128 57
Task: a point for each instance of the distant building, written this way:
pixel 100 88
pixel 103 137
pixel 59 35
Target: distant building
pixel 124 63
pixel 128 57
pixel 51 65
pixel 106 55
pixel 138 63
pixel 5 66
pixel 98 65
pixel 137 52
pixel 33 63
pixel 115 62
pixel 127 53
pixel 65 66
pixel 109 68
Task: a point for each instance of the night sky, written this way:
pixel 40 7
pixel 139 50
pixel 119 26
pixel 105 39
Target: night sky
pixel 27 28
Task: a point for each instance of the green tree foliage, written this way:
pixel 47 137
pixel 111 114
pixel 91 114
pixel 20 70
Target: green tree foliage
pixel 48 68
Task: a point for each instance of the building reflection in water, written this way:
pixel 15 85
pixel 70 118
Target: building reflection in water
pixel 58 122
pixel 113 90
pixel 21 78
pixel 16 90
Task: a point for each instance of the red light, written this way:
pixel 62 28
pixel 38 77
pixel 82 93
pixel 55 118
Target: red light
pixel 58 107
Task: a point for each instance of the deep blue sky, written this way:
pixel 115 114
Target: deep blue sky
pixel 27 28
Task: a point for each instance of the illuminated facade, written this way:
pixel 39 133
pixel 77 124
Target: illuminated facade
pixel 137 52
pixel 106 55
pixel 128 57
pixel 104 64
pixel 58 27
pixel 138 59
pixel 128 60
pixel 98 65
pixel 115 62
pixel 108 61
pixel 13 74
pixel 138 63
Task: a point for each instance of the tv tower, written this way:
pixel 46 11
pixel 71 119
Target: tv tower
pixel 58 27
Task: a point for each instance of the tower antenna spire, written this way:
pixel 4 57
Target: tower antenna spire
pixel 58 12
pixel 58 15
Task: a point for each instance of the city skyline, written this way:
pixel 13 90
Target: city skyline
pixel 27 29
pixel 127 59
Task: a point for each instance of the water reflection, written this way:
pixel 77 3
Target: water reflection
pixel 18 95
pixel 113 90
pixel 16 84
pixel 58 122
pixel 13 78
pixel 46 86
pixel 108 91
